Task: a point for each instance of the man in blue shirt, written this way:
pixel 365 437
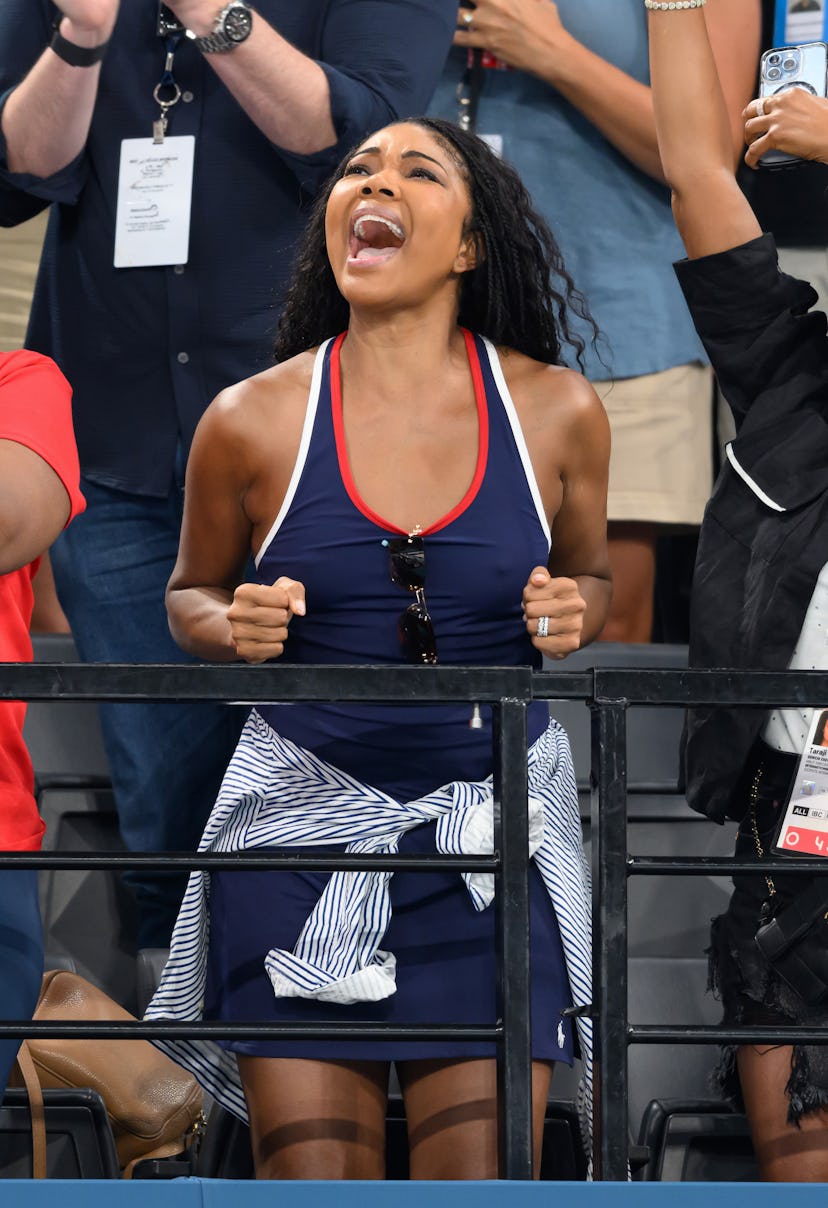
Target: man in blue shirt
pixel 273 97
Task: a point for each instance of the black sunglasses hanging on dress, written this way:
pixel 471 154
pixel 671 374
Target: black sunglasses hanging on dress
pixel 415 629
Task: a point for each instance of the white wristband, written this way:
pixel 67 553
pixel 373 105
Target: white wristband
pixel 664 6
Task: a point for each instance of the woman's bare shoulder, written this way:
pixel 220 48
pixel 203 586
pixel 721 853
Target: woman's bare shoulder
pixel 261 415
pixel 274 393
pixel 546 394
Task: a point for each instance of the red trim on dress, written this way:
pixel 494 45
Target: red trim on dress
pixel 342 452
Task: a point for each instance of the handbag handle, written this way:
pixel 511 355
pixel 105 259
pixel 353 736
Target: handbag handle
pixel 36 1110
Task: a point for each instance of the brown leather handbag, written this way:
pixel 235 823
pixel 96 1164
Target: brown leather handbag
pixel 154 1106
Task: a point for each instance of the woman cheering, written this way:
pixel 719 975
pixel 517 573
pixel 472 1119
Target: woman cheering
pixel 419 480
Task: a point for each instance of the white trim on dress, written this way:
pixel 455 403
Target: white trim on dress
pixel 302 454
pixel 517 433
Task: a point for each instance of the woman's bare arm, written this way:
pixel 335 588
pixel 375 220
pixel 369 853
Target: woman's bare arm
pixel 694 138
pixel 215 534
pixel 236 479
pixel 568 436
pixel 579 531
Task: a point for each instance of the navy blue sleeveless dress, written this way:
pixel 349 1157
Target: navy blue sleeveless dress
pixel 478 559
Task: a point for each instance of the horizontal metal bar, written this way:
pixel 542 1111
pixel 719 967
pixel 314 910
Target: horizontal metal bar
pixel 164 1030
pixel 719 688
pixel 243 684
pixel 694 866
pixel 714 1034
pixel 233 861
pixel 562 685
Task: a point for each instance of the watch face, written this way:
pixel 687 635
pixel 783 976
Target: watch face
pixel 237 22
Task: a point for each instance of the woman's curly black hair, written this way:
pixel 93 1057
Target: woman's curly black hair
pixel 519 295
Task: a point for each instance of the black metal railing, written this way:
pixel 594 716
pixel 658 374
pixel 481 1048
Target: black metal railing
pixel 609 694
pixel 614 691
pixel 507 690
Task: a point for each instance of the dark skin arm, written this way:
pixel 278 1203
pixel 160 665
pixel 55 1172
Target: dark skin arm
pixel 567 435
pixel 711 211
pixel 236 480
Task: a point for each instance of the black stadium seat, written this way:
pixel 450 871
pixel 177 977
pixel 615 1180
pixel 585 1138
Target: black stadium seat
pixel 79 1141
pixel 697 1141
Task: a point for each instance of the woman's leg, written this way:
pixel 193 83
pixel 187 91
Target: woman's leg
pixel 786 1153
pixel 632 554
pixel 451 1108
pixel 316 1119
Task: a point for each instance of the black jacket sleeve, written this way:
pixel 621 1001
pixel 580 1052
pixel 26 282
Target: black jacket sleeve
pixel 770 354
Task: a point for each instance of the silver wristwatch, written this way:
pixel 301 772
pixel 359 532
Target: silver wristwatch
pixel 233 26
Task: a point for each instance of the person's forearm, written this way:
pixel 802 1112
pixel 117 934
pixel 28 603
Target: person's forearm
pixel 596 593
pixel 619 106
pixel 198 622
pixel 691 117
pixel 46 118
pixel 282 91
pixel 711 212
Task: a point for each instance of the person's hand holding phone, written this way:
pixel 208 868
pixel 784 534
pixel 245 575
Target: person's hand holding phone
pixel 794 122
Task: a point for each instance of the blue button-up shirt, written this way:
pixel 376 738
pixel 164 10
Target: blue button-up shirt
pixel 613 223
pixel 146 349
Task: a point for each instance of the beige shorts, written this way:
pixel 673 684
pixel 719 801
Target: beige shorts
pixel 661 466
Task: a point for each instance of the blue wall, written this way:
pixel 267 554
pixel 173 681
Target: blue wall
pixel 198 1193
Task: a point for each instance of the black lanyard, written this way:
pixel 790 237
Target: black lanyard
pixel 166 93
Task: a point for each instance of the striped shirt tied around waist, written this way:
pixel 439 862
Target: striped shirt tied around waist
pixel 277 794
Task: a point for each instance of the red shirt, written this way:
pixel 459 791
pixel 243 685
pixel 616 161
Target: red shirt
pixel 35 411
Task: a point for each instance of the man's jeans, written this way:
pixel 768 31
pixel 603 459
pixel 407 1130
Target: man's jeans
pixel 111 568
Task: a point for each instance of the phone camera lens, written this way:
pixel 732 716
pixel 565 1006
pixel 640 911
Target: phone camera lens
pixel 774 59
pixel 789 65
pixel 773 73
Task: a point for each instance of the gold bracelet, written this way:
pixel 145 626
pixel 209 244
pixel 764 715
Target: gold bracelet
pixel 664 6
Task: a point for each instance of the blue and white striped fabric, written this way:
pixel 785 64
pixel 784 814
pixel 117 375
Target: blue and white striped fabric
pixel 276 794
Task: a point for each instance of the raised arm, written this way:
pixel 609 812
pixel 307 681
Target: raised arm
pixel 381 62
pixel 531 36
pixel 45 121
pixel 694 138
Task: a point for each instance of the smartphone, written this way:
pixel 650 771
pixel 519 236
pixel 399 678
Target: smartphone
pixel 786 67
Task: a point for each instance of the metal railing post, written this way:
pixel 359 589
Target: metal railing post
pixel 609 994
pixel 511 835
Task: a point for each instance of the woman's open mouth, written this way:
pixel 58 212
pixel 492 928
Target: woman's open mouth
pixel 376 236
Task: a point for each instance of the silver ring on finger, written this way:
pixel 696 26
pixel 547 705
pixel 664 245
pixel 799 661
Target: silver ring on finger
pixel 760 107
pixel 543 627
pixel 467 19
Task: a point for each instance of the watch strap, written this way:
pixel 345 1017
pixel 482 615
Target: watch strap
pixel 215 43
pixel 74 55
pixel 219 42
